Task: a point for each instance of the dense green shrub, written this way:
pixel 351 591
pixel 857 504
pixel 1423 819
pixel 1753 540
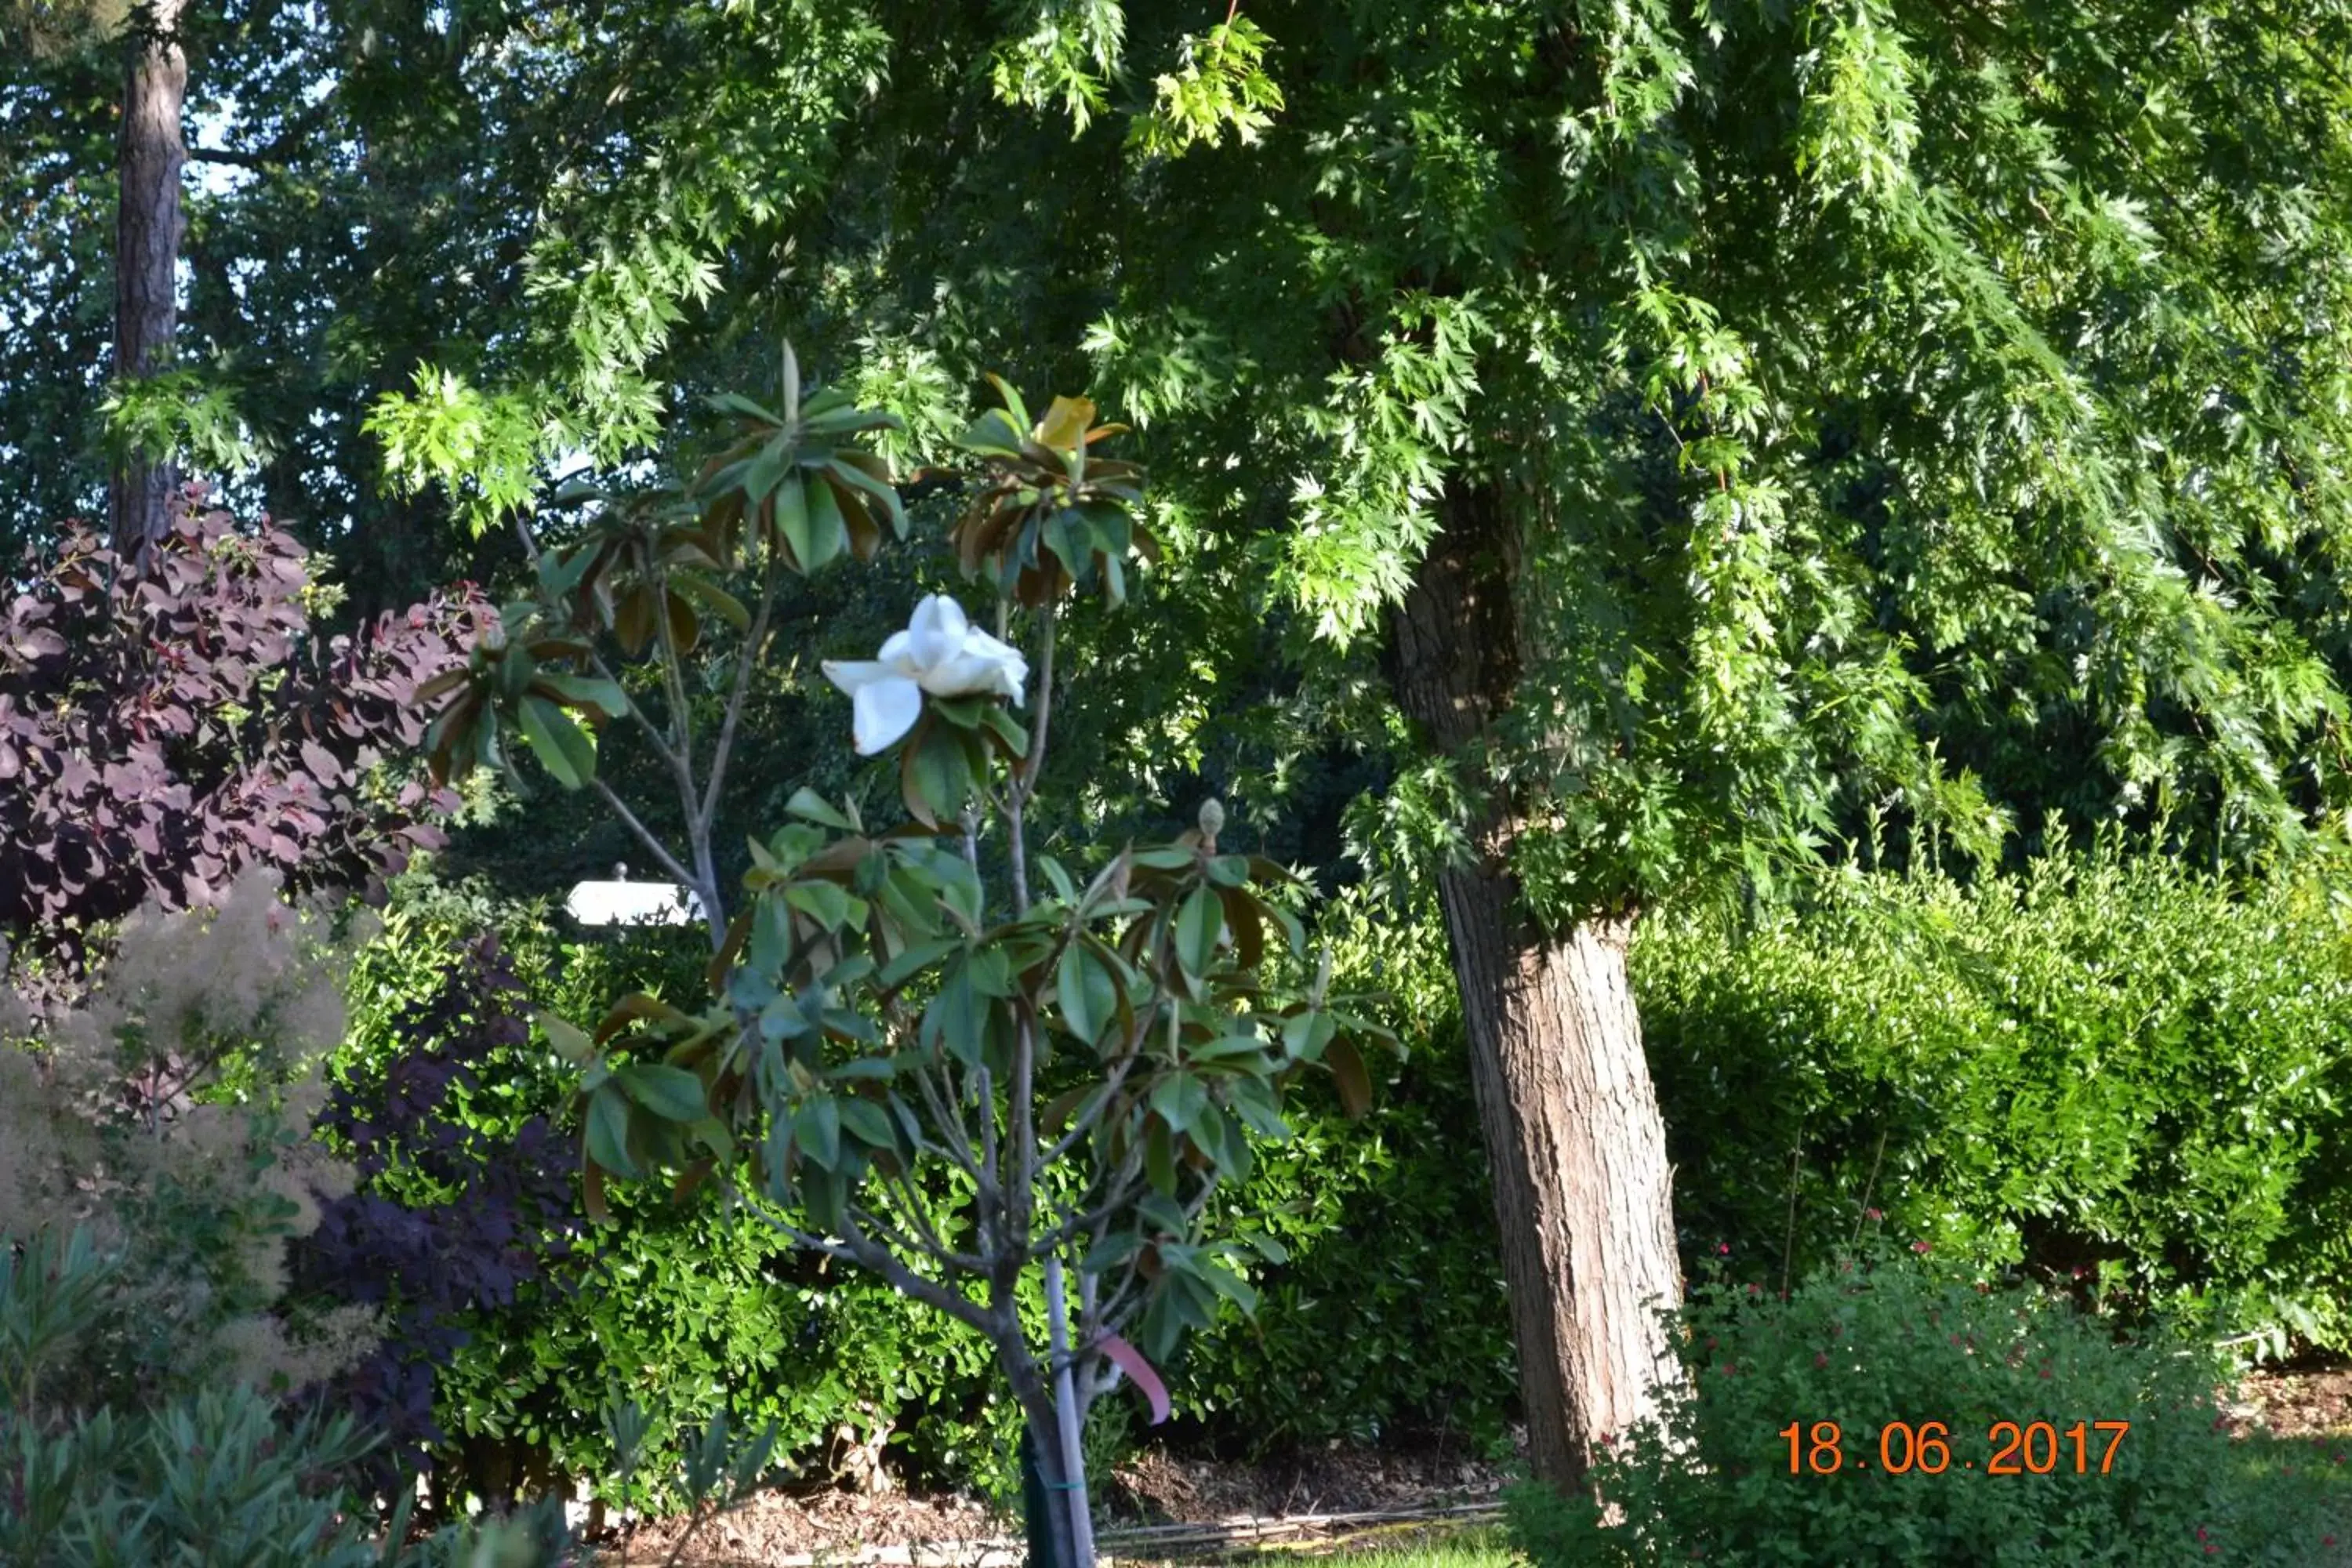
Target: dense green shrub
pixel 1388 1317
pixel 2119 1074
pixel 690 1308
pixel 454 1209
pixel 694 1310
pixel 1866 1346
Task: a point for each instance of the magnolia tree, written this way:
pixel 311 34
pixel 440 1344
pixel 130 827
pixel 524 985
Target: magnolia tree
pixel 1007 1085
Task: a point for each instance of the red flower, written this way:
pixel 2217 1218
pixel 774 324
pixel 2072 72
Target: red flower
pixel 1919 1246
pixel 1820 1358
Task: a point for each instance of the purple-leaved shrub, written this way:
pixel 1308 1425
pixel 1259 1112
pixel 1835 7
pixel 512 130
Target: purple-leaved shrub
pixel 166 724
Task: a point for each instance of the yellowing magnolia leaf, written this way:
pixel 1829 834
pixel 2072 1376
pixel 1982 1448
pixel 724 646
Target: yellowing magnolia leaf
pixel 1065 423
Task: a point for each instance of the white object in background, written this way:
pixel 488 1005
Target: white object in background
pixel 624 902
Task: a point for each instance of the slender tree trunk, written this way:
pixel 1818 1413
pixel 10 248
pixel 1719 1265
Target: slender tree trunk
pixel 1581 1184
pixel 150 155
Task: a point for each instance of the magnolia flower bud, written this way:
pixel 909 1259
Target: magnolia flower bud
pixel 1212 820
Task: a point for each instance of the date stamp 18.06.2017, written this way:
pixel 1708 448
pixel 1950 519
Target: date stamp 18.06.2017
pixel 1924 1448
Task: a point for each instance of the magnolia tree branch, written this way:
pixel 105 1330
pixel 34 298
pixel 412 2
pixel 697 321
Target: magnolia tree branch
pixel 959 1147
pixel 901 1188
pixel 661 854
pixel 752 642
pixel 645 720
pixel 689 798
pixel 870 1254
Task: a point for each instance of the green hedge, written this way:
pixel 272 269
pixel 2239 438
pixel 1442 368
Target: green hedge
pixel 2118 1073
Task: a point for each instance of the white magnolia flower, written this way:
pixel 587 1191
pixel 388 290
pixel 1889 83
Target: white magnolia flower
pixel 939 652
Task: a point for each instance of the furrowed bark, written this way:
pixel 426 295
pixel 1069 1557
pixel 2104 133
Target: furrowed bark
pixel 149 155
pixel 1571 1122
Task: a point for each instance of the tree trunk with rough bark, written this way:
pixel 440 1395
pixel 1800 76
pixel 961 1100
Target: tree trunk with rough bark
pixel 1582 1187
pixel 150 156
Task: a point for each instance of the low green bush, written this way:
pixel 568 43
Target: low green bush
pixel 2125 1077
pixel 1865 1345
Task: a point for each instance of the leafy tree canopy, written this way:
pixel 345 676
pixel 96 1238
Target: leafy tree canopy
pixel 1909 410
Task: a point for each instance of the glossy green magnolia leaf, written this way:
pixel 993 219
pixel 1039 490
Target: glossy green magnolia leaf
pixel 1229 1285
pixel 570 1042
pixel 791 522
pixel 672 1093
pixel 1180 1099
pixel 1110 1252
pixel 1053 871
pixel 562 747
pixel 1255 1102
pixel 866 1122
pixel 1220 1138
pixel 827 903
pixel 1084 990
pixel 1200 921
pixel 588 691
pixel 1305 1034
pixel 914 960
pixel 1160 1158
pixel 957 1016
pixel 871 490
pixel 825 1195
pixel 608 1130
pixel 710 597
pixel 807 803
pixel 816 1129
pixel 1011 735
pixel 827 533
pixel 935 774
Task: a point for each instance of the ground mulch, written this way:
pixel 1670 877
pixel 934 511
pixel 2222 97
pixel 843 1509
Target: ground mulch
pixel 2315 1403
pixel 1152 1489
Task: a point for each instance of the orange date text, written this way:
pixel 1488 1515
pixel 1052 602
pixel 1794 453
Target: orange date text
pixel 1924 1448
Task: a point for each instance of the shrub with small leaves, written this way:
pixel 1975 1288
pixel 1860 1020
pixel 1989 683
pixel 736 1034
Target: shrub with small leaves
pixel 1884 1340
pixel 2118 1073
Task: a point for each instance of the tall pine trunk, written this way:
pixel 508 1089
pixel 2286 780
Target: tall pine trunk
pixel 1581 1184
pixel 150 156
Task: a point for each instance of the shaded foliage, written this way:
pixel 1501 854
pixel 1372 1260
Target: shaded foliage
pixel 454 1212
